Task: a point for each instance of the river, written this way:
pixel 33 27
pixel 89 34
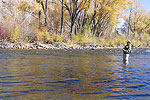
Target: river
pixel 74 75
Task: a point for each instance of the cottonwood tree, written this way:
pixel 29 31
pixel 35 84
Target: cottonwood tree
pixel 74 8
pixel 12 19
pixel 106 13
pixel 37 8
pixel 43 4
pixel 137 20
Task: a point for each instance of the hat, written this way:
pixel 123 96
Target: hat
pixel 128 41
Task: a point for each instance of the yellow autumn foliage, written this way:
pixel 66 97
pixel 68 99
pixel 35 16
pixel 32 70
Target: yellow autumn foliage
pixel 136 42
pixel 56 38
pixel 14 34
pixel 93 22
pixel 88 39
pixel 131 4
pixel 37 6
pixel 39 35
pixel 23 6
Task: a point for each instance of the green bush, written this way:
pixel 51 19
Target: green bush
pixel 57 38
pixel 14 35
pixel 46 36
pixel 76 38
pixel 101 41
pixel 145 39
pixel 88 39
pixel 136 43
pixel 86 30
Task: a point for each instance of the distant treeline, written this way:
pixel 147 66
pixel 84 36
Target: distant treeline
pixel 73 21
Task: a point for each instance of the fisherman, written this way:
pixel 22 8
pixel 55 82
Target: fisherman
pixel 126 52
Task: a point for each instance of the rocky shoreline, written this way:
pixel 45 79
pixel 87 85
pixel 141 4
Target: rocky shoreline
pixel 56 45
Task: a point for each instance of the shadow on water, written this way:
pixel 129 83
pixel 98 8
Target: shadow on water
pixel 73 75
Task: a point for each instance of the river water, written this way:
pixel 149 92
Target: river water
pixel 74 75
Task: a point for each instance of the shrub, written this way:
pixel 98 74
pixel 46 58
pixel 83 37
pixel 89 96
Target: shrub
pixel 110 43
pixel 88 39
pixel 145 39
pixel 76 38
pixel 101 41
pixel 30 39
pixel 57 38
pixel 4 34
pixel 14 35
pixel 124 42
pixel 119 41
pixel 136 43
pixel 69 41
pixel 46 36
pixel 40 35
pixel 86 30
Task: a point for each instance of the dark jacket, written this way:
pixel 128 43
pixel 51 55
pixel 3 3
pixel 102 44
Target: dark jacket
pixel 127 49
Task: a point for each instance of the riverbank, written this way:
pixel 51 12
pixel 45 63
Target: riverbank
pixel 55 45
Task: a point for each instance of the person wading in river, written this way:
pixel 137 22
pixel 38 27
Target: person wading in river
pixel 126 52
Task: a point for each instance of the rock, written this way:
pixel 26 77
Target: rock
pixel 55 45
pixel 92 48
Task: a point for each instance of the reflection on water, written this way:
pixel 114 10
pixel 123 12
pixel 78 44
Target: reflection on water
pixel 73 75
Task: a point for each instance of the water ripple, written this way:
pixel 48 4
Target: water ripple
pixel 74 75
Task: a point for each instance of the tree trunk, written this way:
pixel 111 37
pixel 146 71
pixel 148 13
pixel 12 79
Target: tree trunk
pixel 71 31
pixel 62 15
pixel 39 18
pixel 44 7
pixel 45 12
pixel 72 27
